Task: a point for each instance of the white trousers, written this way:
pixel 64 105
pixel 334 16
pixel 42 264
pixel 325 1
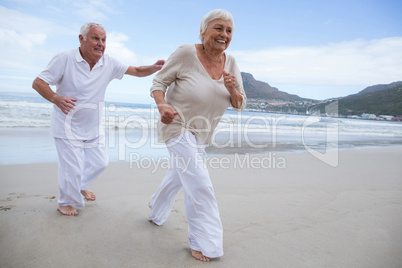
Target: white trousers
pixel 188 170
pixel 80 162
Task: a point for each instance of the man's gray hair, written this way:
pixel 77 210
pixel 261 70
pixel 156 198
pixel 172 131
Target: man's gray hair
pixel 85 28
pixel 214 15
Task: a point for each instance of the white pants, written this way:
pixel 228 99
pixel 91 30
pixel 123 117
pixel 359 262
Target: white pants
pixel 80 162
pixel 187 169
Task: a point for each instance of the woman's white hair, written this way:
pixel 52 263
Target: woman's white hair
pixel 85 28
pixel 214 15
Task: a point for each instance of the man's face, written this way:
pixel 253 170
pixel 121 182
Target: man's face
pixel 93 48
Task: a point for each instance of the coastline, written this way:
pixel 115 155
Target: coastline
pixel 303 213
pixel 35 145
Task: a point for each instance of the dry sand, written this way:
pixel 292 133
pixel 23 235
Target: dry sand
pixel 301 213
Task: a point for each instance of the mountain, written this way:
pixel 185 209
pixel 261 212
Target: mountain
pixel 375 88
pixel 381 102
pixel 260 90
pixel 377 99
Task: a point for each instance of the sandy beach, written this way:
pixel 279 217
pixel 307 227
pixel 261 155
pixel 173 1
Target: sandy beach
pixel 290 211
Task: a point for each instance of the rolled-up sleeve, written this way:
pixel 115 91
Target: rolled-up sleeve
pixel 169 72
pixel 239 87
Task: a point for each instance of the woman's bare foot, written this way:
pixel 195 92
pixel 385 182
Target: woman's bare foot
pixel 67 210
pixel 199 256
pixel 88 195
pixel 151 221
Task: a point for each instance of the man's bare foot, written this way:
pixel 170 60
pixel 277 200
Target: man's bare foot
pixel 199 256
pixel 88 195
pixel 67 210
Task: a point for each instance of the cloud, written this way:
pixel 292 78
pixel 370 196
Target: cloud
pixel 23 39
pixel 116 48
pixel 357 62
pixel 21 31
pixel 23 23
pixel 95 10
pixel 26 41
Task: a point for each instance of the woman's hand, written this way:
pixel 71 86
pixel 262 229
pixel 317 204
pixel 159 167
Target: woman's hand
pixel 167 114
pixel 229 81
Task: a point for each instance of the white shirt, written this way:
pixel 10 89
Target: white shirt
pixel 73 78
pixel 200 100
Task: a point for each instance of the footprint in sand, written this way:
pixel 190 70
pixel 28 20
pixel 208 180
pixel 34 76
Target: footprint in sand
pixel 22 195
pixel 5 208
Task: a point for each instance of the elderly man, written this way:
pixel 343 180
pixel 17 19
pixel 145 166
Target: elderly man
pixel 81 76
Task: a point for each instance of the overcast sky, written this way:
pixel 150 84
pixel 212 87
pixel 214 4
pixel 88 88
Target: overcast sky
pixel 313 48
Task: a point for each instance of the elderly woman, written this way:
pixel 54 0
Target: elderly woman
pixel 200 82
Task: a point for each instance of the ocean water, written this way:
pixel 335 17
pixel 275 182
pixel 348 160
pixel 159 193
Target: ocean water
pixel 131 132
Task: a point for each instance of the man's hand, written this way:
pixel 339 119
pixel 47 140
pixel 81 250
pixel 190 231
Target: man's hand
pixel 143 71
pixel 158 65
pixel 65 104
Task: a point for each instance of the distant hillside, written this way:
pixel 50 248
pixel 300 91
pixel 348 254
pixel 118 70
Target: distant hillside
pixel 260 90
pixel 375 88
pixel 383 102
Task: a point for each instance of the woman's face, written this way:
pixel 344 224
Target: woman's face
pixel 218 35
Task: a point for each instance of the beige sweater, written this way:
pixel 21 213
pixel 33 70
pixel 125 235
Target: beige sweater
pixel 200 100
